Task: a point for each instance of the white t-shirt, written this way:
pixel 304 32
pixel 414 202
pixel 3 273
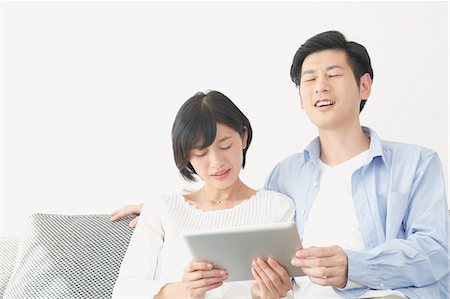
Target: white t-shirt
pixel 157 254
pixel 333 221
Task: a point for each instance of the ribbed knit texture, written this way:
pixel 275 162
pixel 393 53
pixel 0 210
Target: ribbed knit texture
pixel 157 254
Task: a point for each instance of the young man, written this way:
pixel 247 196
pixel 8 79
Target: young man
pixel 372 213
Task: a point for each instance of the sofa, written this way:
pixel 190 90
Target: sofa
pixel 64 256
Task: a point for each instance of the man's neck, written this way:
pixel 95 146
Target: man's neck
pixel 340 145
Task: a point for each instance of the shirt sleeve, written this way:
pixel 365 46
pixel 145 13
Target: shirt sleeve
pixel 421 257
pixel 138 272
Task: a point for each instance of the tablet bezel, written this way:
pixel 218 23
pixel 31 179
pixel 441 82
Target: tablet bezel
pixel 234 249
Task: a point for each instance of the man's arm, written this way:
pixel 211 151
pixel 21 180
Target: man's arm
pixel 420 257
pixel 128 210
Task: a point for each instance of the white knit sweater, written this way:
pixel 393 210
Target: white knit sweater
pixel 157 254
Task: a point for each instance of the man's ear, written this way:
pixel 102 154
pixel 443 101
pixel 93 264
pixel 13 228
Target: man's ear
pixel 244 137
pixel 365 86
pixel 300 96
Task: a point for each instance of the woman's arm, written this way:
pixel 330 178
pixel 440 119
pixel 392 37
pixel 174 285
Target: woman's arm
pixel 137 275
pixel 198 278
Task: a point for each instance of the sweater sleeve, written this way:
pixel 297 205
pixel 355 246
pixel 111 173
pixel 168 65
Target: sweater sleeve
pixel 138 272
pixel 283 208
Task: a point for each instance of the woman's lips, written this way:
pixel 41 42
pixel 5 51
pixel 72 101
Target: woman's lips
pixel 221 174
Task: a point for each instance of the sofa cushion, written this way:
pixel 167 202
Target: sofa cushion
pixel 69 256
pixel 8 254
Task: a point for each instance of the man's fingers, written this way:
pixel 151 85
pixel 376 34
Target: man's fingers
pixel 322 272
pixel 117 215
pixel 315 262
pixel 333 281
pixel 318 251
pixel 126 210
pixel 134 222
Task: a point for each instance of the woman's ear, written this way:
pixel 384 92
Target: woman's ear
pixel 244 137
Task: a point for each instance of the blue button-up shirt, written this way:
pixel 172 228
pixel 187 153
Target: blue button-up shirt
pixel 401 207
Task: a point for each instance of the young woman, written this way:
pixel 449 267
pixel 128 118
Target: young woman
pixel 210 138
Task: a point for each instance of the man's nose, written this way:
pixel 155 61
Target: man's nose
pixel 322 84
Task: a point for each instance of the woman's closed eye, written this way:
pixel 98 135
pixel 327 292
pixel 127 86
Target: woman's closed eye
pixel 200 153
pixel 225 147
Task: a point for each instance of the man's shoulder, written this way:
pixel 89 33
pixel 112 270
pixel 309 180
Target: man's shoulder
pixel 293 160
pixel 396 149
pixel 287 172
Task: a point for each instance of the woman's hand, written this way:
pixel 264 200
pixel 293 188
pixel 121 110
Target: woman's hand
pixel 200 277
pixel 272 280
pixel 128 210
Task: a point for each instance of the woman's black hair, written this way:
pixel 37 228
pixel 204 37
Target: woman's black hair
pixel 196 122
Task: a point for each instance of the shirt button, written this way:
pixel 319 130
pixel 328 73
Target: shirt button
pixel 315 185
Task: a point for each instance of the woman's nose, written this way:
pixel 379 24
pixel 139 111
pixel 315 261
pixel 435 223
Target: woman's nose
pixel 215 158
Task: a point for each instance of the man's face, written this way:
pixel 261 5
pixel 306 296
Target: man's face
pixel 328 90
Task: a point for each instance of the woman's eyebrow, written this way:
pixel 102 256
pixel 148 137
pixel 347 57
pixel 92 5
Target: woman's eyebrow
pixel 224 139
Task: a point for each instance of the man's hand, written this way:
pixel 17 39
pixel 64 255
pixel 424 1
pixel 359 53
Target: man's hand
pixel 200 277
pixel 272 280
pixel 325 266
pixel 128 210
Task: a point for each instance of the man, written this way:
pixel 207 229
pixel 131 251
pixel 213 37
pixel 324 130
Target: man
pixel 372 213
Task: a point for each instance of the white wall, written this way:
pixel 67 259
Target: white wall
pixel 90 89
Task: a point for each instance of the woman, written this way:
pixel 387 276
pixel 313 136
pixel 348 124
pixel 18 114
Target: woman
pixel 210 139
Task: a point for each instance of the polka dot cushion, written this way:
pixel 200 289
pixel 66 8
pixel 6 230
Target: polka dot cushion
pixel 8 254
pixel 69 256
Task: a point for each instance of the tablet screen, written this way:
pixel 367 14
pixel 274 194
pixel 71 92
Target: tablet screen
pixel 234 249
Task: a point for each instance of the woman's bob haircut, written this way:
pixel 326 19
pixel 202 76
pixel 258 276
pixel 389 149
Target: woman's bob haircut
pixel 195 124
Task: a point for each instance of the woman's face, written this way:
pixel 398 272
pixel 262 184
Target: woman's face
pixel 219 164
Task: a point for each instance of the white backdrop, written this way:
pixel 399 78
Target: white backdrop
pixel 90 89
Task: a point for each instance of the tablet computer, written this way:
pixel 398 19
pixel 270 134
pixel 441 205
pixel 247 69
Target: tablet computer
pixel 234 249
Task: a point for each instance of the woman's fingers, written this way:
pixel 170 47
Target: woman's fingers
pixel 196 265
pixel 266 275
pixel 200 277
pixel 274 276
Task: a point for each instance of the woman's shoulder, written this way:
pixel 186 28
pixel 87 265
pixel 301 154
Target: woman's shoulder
pixel 163 202
pixel 273 197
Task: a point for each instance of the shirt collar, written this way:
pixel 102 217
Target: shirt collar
pixel 312 150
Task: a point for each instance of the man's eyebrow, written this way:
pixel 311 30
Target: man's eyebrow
pixel 331 67
pixel 308 72
pixel 328 68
